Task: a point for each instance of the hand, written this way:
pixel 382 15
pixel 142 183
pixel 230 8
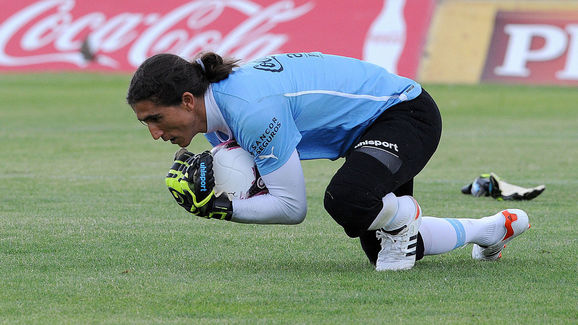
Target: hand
pixel 191 183
pixel 176 173
pixel 198 179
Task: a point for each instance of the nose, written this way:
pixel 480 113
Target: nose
pixel 156 133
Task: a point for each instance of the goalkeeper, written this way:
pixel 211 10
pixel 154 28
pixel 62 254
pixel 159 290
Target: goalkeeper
pixel 289 107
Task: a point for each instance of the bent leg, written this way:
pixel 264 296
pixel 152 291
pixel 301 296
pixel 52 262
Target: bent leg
pixel 384 160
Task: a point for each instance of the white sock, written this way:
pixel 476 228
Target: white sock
pixel 441 235
pixel 396 212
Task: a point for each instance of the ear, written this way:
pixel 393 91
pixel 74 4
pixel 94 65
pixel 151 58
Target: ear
pixel 188 100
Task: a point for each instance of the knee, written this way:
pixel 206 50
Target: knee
pixel 354 196
pixel 331 202
pixel 338 210
pixel 352 212
pixel 335 200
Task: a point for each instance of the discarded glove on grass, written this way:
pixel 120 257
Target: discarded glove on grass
pixel 491 185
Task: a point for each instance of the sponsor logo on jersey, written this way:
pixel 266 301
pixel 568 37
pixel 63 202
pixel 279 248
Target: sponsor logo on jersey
pixel 377 143
pixel 266 137
pixel 270 64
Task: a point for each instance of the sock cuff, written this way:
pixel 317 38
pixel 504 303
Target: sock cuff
pixel 387 212
pixel 407 210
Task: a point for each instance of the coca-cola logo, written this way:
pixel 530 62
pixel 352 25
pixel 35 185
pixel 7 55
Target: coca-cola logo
pixel 52 31
pixel 113 35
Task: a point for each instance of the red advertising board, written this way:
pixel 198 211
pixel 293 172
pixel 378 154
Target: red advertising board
pixel 533 48
pixel 111 35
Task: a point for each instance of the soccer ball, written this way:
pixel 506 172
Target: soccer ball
pixel 235 172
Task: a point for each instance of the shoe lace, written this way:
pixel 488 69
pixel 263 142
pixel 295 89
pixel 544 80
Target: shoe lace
pixel 393 242
pixel 389 240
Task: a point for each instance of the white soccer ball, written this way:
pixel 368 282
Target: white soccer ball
pixel 235 172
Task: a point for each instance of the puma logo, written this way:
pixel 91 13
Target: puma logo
pixel 271 155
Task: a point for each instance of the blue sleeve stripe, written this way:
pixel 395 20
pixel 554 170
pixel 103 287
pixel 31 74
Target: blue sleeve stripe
pixel 401 97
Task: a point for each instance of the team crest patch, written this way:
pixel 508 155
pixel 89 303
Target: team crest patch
pixel 269 63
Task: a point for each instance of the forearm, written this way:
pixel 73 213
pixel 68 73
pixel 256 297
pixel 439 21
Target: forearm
pixel 286 202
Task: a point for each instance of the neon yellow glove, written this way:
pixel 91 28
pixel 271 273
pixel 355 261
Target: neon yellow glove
pixel 191 182
pixel 176 173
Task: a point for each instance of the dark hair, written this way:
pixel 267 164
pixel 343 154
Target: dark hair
pixel 163 78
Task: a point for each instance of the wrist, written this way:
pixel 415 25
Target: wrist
pixel 222 208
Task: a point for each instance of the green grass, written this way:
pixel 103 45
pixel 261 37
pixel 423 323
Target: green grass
pixel 89 233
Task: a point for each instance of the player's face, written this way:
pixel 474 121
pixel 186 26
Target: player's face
pixel 177 124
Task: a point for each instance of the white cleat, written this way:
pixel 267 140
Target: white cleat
pixel 516 222
pixel 398 251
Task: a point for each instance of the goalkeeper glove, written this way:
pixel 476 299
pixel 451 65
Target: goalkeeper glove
pixel 191 183
pixel 491 185
pixel 176 173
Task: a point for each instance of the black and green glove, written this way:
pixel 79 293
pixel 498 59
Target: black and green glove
pixel 191 181
pixel 174 176
pixel 491 185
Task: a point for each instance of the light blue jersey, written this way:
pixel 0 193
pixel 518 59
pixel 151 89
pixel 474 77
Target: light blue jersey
pixel 317 103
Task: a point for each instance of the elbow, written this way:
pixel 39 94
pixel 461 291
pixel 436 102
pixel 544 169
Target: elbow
pixel 293 212
pixel 297 216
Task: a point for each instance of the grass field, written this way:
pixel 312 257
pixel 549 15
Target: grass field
pixel 89 233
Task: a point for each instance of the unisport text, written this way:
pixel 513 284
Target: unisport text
pixel 203 176
pixel 377 143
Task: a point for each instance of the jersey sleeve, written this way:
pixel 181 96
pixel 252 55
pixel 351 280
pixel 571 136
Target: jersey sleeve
pixel 269 134
pixel 286 202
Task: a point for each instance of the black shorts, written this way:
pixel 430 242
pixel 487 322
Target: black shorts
pixel 385 159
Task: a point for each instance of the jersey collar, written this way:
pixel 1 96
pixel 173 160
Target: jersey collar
pixel 215 120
